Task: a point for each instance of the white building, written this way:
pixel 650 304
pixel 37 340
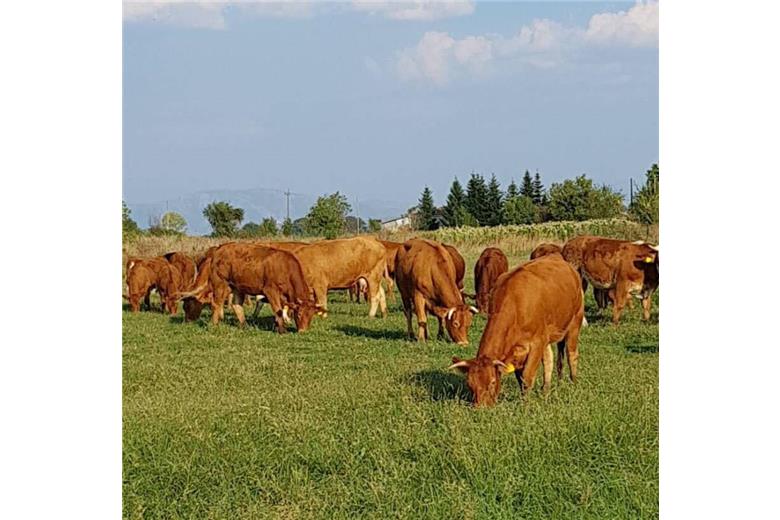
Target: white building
pixel 397 223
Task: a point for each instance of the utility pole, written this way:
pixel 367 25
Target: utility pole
pixel 287 193
pixel 631 189
pixel 357 212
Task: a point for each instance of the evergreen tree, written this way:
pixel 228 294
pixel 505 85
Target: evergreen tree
pixel 494 199
pixel 512 190
pixel 477 199
pixel 539 195
pixel 426 211
pixel 527 187
pixel 455 207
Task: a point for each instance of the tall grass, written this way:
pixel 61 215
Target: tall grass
pixel 512 239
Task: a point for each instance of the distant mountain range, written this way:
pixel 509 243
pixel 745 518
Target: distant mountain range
pixel 257 204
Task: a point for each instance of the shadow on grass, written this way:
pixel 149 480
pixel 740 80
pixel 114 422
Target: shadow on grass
pixel 442 385
pixel 353 330
pixel 642 349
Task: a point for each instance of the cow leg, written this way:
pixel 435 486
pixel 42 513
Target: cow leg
pixel 221 295
pixel 572 353
pixel 275 301
pixel 621 295
pixel 602 297
pixel 135 302
pixel 238 308
pixel 647 304
pixel 547 362
pixel 148 299
pixel 373 295
pixel 390 291
pixel 529 370
pixel 559 361
pixel 440 335
pixel 407 304
pixel 382 302
pixel 258 306
pixel 422 324
pixel 320 297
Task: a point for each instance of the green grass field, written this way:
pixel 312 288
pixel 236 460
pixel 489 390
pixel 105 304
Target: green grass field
pixel 350 419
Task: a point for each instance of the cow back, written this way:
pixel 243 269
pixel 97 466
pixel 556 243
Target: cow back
pixel 427 267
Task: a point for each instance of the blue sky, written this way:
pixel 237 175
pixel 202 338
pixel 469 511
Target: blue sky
pixel 378 99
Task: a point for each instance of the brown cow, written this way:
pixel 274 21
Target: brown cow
pixel 622 269
pixel 533 306
pixel 425 274
pixel 492 263
pixel 391 250
pixel 186 267
pixel 192 306
pixel 545 249
pixel 145 274
pixel 243 268
pixel 337 264
pixel 460 265
pixel 572 252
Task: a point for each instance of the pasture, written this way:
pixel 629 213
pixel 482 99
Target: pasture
pixel 352 420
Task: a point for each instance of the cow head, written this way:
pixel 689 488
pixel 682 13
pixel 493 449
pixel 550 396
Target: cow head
pixel 645 253
pixel 192 309
pixel 304 312
pixel 457 320
pixel 483 375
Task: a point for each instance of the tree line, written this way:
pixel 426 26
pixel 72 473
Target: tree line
pixel 484 203
pixel 328 217
pixel 481 203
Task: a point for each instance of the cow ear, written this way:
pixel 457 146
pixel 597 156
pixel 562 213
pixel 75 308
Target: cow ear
pixel 506 368
pixel 461 364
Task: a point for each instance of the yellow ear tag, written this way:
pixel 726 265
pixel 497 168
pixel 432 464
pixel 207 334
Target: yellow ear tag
pixel 648 259
pixel 509 368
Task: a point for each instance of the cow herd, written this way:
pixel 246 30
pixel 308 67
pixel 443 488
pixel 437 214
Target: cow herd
pixel 529 308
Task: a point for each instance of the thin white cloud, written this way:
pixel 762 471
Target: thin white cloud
pixel 637 27
pixel 416 9
pixel 209 14
pixel 438 57
pixel 201 15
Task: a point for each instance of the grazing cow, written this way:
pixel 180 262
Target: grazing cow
pixel 337 264
pixel 533 306
pixel 193 307
pixel 572 252
pixel 186 267
pixel 242 268
pixel 492 263
pixel 145 274
pixel 391 250
pixel 460 265
pixel 425 274
pixel 545 249
pixel 357 289
pixel 621 269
